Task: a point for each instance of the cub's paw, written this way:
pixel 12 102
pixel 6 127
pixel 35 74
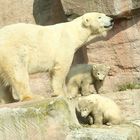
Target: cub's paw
pixel 90 119
pixel 109 124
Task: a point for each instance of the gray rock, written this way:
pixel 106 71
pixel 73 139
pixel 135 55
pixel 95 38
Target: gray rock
pixel 49 119
pixel 48 12
pixel 116 8
pixel 123 132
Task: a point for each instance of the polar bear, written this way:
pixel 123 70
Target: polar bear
pixel 81 76
pixel 99 109
pixel 27 49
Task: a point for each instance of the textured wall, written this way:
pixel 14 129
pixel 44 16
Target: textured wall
pixel 48 12
pixel 14 11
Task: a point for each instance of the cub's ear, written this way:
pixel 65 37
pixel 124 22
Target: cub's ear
pixel 94 66
pixel 86 20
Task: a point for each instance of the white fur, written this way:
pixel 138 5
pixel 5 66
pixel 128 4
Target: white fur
pixel 101 108
pixel 81 76
pixel 27 48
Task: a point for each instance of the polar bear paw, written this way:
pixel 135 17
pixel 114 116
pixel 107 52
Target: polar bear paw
pixel 32 97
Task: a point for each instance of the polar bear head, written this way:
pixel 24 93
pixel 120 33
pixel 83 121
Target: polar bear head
pixel 98 23
pixel 86 105
pixel 100 71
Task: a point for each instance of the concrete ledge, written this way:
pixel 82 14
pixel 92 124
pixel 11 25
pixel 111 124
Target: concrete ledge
pixel 52 119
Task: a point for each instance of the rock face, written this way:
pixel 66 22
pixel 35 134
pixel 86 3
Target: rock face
pixel 108 7
pixel 14 11
pixel 48 12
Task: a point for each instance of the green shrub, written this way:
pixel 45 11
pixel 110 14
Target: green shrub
pixel 126 86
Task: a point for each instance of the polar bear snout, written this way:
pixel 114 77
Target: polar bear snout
pixel 84 114
pixel 106 21
pixel 110 24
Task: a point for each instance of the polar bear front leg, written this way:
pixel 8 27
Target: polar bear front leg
pixel 59 72
pixel 90 119
pixel 85 86
pixel 98 118
pixel 58 75
pixel 97 86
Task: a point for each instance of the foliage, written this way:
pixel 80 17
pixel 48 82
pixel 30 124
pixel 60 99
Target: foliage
pixel 127 86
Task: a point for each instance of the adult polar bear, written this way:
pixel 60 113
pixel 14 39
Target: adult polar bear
pixel 27 48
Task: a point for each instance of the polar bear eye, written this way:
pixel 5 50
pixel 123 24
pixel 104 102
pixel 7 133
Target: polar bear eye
pixel 99 17
pixel 98 73
pixel 87 20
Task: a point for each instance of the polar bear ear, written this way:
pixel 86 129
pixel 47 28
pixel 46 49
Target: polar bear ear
pixel 86 20
pixel 94 67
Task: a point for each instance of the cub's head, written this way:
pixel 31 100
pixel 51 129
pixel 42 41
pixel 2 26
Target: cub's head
pixel 84 106
pixel 98 23
pixel 100 71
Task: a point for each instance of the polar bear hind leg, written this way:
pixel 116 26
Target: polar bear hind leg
pixel 16 75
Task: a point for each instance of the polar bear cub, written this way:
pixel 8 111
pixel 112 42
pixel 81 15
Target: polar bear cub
pixel 99 110
pixel 28 48
pixel 81 76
